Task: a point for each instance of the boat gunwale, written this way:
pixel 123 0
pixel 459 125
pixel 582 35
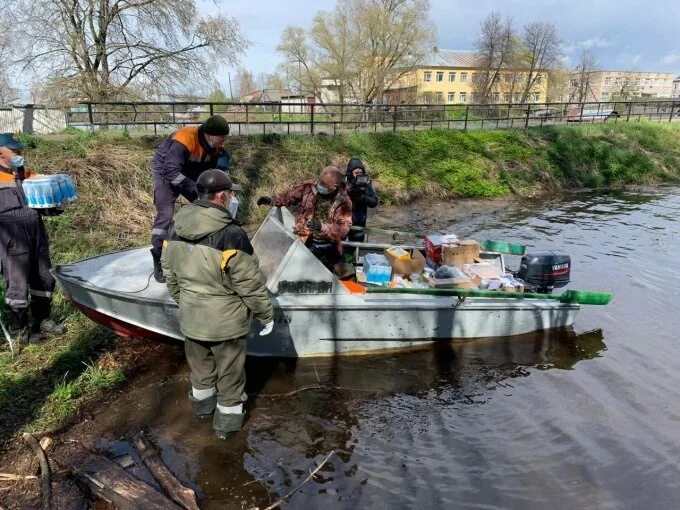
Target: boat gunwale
pixel 392 302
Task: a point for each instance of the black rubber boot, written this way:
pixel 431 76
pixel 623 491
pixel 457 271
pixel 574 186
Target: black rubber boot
pixel 17 323
pixel 226 423
pixel 205 407
pixel 157 268
pixel 40 311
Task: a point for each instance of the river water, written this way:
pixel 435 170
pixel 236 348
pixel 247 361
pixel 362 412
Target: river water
pixel 588 418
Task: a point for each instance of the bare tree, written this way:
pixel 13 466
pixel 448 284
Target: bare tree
pixel 276 81
pixel 300 65
pixel 626 86
pixel 361 48
pixel 7 91
pixel 582 77
pixel 495 52
pixel 111 49
pixel 539 53
pixel 245 82
pixel 558 84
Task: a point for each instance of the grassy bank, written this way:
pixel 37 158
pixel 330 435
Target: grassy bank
pixel 45 384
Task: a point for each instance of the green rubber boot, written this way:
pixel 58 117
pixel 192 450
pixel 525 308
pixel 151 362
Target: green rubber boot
pixel 205 407
pixel 227 423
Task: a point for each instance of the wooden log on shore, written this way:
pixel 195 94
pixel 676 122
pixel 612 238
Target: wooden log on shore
pixel 182 495
pixel 45 471
pixel 110 482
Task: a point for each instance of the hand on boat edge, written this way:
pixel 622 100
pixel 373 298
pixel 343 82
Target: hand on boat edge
pixel 267 328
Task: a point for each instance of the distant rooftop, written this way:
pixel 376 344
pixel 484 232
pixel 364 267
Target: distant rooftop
pixel 452 58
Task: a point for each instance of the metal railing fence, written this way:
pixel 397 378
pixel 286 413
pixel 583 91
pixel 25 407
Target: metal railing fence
pixel 332 118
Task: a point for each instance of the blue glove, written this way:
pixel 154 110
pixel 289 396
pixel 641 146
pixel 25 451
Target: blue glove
pixel 223 161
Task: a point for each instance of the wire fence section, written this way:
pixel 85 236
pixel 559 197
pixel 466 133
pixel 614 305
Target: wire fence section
pixel 332 118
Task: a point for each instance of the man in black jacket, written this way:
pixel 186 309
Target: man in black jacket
pixel 24 251
pixel 363 196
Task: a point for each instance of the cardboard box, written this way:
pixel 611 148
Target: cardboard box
pixel 434 243
pixel 465 253
pixel 494 258
pixel 483 270
pixel 414 264
pixel 399 253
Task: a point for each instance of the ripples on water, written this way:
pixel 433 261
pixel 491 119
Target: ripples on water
pixel 583 419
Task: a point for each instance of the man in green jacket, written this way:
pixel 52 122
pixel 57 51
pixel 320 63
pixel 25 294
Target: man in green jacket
pixel 213 274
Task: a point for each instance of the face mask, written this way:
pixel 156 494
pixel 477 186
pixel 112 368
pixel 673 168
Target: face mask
pixel 17 161
pixel 322 189
pixel 233 206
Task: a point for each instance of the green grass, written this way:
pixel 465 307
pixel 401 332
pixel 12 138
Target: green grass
pixel 46 383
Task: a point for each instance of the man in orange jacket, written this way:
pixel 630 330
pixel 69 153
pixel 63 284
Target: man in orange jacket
pixel 175 167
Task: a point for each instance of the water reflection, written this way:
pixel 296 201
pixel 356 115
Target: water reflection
pixel 299 410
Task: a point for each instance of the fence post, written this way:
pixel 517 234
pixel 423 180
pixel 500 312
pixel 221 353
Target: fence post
pixel 27 126
pixel 670 117
pixel 526 121
pixel 630 105
pixel 247 118
pixel 394 119
pixel 467 111
pixel 90 116
pixel 311 118
pixel 211 109
pixel 580 117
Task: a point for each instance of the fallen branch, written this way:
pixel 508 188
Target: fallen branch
pixel 311 475
pixel 308 388
pixel 152 460
pixel 45 472
pixel 110 482
pixel 11 477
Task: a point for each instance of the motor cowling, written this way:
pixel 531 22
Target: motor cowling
pixel 545 270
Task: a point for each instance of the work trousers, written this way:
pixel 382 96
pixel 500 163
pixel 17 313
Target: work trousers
pixel 221 365
pixel 165 196
pixel 25 259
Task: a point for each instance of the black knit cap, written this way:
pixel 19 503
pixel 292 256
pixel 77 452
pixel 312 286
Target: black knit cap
pixel 353 164
pixel 216 125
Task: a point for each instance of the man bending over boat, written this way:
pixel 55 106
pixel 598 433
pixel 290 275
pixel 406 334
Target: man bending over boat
pixel 175 166
pixel 324 214
pixel 212 273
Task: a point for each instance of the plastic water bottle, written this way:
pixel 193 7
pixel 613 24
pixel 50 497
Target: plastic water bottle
pixel 233 207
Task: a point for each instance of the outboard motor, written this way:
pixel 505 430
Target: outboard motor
pixel 545 270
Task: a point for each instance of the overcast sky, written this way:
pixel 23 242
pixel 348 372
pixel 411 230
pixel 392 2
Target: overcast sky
pixel 625 34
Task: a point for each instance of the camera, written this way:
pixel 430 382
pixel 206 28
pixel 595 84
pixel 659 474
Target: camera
pixel 361 181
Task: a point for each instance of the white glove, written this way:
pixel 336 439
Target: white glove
pixel 267 328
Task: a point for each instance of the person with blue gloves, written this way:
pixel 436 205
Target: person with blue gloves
pixel 178 162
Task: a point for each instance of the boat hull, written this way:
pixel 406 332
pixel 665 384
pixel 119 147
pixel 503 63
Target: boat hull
pixel 326 325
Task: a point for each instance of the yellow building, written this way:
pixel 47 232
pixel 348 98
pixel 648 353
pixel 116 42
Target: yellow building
pixel 450 76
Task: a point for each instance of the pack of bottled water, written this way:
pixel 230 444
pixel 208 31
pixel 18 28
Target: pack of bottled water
pixel 49 191
pixel 377 269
